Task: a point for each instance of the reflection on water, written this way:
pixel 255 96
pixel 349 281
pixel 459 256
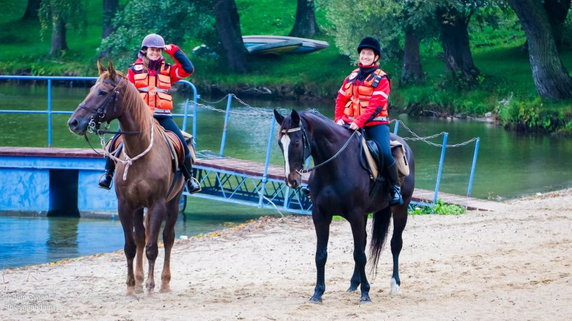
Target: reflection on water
pixel 28 240
pixel 62 238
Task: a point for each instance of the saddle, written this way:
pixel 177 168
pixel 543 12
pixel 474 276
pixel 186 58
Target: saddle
pixel 374 159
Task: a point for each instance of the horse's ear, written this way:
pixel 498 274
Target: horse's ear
pixel 112 73
pixel 279 118
pixel 295 118
pixel 100 68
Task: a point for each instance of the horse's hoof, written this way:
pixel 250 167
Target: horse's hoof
pixel 165 289
pixel 352 288
pixel 364 300
pixel 315 300
pixel 395 289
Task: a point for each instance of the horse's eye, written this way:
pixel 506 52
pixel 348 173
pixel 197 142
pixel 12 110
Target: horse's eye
pixel 102 93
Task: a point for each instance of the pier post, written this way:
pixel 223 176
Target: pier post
pixel 225 127
pixel 473 166
pixel 440 171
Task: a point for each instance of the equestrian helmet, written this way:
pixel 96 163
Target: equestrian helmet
pixel 154 41
pixel 371 43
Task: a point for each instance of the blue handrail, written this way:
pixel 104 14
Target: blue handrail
pixel 50 110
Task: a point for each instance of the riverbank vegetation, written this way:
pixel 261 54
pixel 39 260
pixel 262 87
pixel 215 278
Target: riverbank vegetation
pixel 498 82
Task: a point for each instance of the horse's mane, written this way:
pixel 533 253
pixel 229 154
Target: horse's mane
pixel 326 122
pixel 133 104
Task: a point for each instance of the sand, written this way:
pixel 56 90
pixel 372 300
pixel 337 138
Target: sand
pixel 513 263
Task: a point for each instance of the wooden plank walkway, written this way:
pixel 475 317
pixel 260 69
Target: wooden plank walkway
pixel 247 167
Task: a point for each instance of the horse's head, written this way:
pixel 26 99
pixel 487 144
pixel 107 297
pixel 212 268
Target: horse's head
pixel 100 105
pixel 295 146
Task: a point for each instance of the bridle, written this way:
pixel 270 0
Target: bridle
pixel 308 148
pixel 99 117
pixel 103 108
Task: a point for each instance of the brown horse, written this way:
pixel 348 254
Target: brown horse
pixel 145 178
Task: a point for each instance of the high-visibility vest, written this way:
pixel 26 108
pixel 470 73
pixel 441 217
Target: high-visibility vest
pixel 361 93
pixel 154 89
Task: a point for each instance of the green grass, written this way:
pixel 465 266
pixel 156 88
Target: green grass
pixel 497 52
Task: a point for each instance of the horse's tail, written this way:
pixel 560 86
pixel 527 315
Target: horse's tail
pixel 379 232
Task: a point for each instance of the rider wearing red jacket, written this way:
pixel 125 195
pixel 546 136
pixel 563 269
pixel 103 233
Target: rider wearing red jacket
pixel 362 102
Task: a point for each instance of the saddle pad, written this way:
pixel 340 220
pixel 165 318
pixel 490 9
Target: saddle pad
pixel 175 147
pixel 189 140
pixel 370 160
pixel 399 155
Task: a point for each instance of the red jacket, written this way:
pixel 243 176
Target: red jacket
pixel 364 102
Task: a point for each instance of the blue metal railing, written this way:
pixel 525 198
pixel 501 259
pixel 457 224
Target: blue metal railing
pixel 264 178
pixel 51 112
pixel 444 146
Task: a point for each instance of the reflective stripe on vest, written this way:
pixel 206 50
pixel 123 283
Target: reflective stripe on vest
pixel 360 95
pixel 154 89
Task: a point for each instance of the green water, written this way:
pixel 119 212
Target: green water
pixel 509 165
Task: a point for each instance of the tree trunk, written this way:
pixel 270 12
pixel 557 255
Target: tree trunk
pixel 557 10
pixel 228 28
pixel 455 42
pixel 550 77
pixel 32 9
pixel 109 10
pixel 305 24
pixel 59 43
pixel 412 70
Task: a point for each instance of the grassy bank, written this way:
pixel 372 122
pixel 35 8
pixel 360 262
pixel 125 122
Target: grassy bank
pixel 506 88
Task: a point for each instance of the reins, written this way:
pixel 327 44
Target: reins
pixel 128 161
pixel 94 127
pixel 305 171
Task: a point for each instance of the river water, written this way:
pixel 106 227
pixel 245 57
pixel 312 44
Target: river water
pixel 509 165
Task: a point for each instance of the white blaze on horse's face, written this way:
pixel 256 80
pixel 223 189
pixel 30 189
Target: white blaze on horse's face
pixel 291 166
pixel 285 140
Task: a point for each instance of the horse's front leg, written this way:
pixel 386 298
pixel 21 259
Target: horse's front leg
pixel 154 219
pixel 169 240
pixel 357 222
pixel 126 217
pixel 139 235
pixel 399 222
pixel 356 276
pixel 322 227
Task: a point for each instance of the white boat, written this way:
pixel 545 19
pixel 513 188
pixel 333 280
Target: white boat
pixel 266 44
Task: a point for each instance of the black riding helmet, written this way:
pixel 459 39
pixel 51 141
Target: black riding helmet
pixel 371 43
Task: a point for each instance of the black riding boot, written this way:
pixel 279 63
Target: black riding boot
pixel 192 184
pixel 107 177
pixel 394 188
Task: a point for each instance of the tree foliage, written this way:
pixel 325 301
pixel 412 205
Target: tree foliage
pixel 175 20
pixel 71 11
pixel 60 15
pixel 384 19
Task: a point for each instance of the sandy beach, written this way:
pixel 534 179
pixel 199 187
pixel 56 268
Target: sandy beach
pixel 513 263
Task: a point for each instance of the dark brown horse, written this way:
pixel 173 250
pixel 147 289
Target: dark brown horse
pixel 144 178
pixel 340 186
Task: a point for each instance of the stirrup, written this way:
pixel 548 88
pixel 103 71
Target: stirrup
pixel 193 186
pixel 105 181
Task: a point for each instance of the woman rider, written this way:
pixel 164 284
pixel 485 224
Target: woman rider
pixel 153 77
pixel 362 103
